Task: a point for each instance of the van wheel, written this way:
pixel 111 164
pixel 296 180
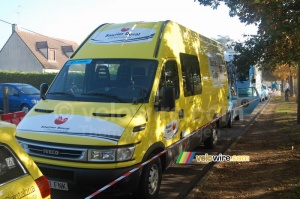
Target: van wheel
pixel 229 122
pixel 150 180
pixel 211 141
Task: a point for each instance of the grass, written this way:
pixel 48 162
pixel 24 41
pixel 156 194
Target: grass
pixel 285 116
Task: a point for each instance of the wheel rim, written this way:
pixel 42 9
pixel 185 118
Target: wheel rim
pixel 153 179
pixel 25 109
pixel 231 118
pixel 215 136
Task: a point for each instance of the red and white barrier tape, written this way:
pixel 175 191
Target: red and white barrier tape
pixel 159 154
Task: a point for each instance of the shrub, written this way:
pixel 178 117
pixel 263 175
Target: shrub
pixel 35 79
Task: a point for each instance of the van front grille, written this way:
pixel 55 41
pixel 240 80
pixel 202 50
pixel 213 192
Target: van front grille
pixel 56 152
pixel 64 153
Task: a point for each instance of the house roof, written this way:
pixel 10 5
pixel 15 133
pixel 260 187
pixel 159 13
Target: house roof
pixel 38 43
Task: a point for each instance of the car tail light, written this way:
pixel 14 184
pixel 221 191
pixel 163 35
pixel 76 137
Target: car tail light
pixel 43 184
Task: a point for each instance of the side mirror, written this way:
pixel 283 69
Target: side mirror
pixel 253 81
pixel 43 89
pixel 168 99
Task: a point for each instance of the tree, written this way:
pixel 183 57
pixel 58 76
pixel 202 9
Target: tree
pixel 226 42
pixel 286 72
pixel 277 41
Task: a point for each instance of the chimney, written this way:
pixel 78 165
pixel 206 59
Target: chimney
pixel 14 27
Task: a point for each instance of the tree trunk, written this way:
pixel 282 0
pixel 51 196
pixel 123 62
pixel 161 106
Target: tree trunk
pixel 298 93
pixel 291 82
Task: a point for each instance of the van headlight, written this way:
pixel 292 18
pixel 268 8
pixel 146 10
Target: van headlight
pixel 111 155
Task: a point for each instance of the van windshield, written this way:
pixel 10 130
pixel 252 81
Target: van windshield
pixel 104 80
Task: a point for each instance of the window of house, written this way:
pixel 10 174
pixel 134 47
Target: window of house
pixel 191 74
pixel 51 55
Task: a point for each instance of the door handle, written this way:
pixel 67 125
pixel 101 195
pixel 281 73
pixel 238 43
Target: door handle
pixel 181 113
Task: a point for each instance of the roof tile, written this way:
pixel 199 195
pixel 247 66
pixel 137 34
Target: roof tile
pixel 36 41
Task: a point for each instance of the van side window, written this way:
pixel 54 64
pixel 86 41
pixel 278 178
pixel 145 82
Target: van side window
pixel 191 74
pixel 169 77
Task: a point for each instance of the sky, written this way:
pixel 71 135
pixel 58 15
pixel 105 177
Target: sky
pixel 75 19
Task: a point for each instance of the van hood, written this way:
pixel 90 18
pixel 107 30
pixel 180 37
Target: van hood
pixel 104 122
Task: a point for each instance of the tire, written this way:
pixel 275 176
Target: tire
pixel 211 142
pixel 229 122
pixel 237 117
pixel 150 180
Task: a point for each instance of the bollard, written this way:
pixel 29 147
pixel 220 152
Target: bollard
pixel 5 100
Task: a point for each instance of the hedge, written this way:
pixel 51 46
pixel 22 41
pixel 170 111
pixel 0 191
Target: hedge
pixel 35 79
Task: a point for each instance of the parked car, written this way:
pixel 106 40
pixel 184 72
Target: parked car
pixel 265 92
pixel 21 97
pixel 247 99
pixel 19 175
pixel 232 107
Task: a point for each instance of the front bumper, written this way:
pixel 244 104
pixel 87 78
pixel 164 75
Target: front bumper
pixel 93 179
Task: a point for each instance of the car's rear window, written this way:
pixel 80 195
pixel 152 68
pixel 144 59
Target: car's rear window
pixel 10 166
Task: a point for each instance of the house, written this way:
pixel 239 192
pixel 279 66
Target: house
pixel 32 52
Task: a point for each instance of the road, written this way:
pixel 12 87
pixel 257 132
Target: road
pixel 179 180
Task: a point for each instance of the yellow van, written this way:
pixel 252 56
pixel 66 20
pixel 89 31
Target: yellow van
pixel 19 175
pixel 130 91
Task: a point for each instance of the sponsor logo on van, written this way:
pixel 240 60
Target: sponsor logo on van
pixel 60 120
pixel 124 29
pixel 123 35
pixel 171 129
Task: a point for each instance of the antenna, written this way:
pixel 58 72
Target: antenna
pixel 18 13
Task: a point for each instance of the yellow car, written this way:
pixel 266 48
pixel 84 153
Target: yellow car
pixel 19 175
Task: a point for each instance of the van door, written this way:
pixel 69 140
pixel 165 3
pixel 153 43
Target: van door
pixel 169 121
pixel 248 99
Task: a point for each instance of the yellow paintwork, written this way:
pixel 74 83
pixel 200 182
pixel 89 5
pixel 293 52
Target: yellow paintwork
pixel 198 109
pixel 24 187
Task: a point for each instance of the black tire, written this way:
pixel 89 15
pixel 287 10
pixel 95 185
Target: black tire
pixel 150 180
pixel 229 122
pixel 237 117
pixel 212 140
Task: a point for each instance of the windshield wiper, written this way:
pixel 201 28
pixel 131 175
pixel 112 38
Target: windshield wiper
pixel 62 93
pixel 105 95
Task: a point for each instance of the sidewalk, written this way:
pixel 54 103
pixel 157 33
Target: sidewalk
pixel 273 144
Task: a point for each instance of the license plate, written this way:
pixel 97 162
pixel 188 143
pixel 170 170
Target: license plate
pixel 58 185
